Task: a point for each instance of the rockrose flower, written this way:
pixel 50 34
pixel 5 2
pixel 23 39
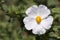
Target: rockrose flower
pixel 38 19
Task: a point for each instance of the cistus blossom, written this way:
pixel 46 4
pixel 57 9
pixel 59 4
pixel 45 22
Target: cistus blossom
pixel 38 19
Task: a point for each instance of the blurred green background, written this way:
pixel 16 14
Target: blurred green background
pixel 12 13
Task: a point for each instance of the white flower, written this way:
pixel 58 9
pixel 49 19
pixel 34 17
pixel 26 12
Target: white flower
pixel 38 19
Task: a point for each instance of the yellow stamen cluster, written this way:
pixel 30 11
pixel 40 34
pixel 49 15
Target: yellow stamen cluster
pixel 38 19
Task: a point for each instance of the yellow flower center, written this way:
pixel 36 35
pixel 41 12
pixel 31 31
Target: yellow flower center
pixel 38 19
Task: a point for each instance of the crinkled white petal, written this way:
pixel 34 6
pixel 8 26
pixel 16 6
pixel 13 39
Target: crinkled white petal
pixel 43 6
pixel 46 23
pixel 43 11
pixel 42 31
pixel 38 30
pixel 32 10
pixel 35 30
pixel 29 23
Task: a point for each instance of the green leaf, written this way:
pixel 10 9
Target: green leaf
pixel 5 7
pixel 51 2
pixel 56 10
pixel 56 32
pixel 56 28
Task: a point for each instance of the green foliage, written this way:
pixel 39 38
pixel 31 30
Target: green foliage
pixel 12 13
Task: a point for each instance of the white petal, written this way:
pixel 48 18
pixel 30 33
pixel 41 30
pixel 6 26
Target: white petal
pixel 31 10
pixel 48 27
pixel 35 30
pixel 43 11
pixel 46 23
pixel 42 6
pixel 42 31
pixel 38 30
pixel 29 23
pixel 28 26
